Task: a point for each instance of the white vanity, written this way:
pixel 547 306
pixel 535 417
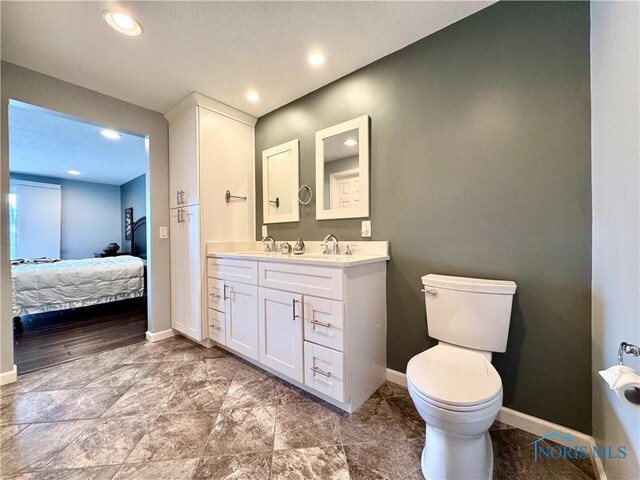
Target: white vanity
pixel 318 321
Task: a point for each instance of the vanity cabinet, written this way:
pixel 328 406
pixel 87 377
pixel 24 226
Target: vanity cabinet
pixel 321 328
pixel 211 150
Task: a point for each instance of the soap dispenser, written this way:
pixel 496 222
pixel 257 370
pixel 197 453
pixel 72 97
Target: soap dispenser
pixel 299 248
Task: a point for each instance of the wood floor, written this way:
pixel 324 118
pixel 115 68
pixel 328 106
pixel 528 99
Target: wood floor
pixel 50 338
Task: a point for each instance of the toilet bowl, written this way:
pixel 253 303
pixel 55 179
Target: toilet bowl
pixel 454 386
pixel 459 399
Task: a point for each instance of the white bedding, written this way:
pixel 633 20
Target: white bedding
pixel 75 283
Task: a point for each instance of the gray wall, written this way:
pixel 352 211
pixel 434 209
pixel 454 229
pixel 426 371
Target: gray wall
pixel 615 130
pixel 480 167
pixel 28 86
pixel 133 194
pixel 90 217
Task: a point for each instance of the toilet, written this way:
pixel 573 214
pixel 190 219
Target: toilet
pixel 453 385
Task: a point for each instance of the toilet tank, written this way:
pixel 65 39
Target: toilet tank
pixel 469 312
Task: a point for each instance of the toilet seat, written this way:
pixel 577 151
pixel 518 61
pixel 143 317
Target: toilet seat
pixel 454 378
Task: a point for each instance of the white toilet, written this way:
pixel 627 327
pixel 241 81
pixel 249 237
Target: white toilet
pixel 453 385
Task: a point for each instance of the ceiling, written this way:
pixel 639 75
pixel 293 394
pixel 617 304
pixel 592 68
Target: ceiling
pixel 42 142
pixel 220 49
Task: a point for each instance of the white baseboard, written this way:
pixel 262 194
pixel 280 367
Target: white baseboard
pixel 395 376
pixel 156 337
pixel 531 424
pixel 10 376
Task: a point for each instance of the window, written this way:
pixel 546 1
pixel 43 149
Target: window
pixel 34 219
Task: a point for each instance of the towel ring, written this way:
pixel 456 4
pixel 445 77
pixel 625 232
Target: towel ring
pixel 310 193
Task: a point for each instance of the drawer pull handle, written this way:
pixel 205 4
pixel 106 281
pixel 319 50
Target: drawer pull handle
pixel 294 310
pixel 321 372
pixel 215 295
pixel 215 327
pixel 315 322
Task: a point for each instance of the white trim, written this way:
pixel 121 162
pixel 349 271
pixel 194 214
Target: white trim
pixel 10 376
pixel 267 218
pixel 156 337
pixel 362 211
pixel 395 376
pixel 198 99
pixel 531 424
pixel 541 427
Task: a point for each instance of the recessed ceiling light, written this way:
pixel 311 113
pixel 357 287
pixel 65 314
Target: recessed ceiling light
pixel 316 59
pixel 253 96
pixel 73 172
pixel 110 134
pixel 350 142
pixel 122 23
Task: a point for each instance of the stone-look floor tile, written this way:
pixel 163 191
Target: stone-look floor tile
pixel 174 436
pixel 373 421
pixel 303 425
pixel 499 426
pixel 141 400
pixel 36 445
pixel 30 381
pixel 221 368
pixel 386 460
pixel 29 407
pixel 81 404
pixel 242 430
pixel 77 376
pixel 106 442
pixel 513 457
pixel 288 393
pixel 121 376
pixel 7 431
pixel 93 473
pixel 390 389
pixel 200 392
pixel 407 416
pixel 250 388
pixel 213 352
pixel 167 470
pixel 322 463
pixel 164 374
pixel 254 466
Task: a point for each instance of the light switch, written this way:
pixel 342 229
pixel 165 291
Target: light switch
pixel 264 231
pixel 164 232
pixel 366 229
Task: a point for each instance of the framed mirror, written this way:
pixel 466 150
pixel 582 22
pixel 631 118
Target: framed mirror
pixel 342 170
pixel 280 172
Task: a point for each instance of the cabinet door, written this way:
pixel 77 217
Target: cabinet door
pixel 242 318
pixel 177 239
pixel 193 321
pixel 186 293
pixel 183 160
pixel 281 332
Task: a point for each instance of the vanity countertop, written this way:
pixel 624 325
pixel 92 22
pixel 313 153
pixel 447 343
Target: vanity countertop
pixel 364 253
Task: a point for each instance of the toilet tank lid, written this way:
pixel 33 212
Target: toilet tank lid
pixel 464 284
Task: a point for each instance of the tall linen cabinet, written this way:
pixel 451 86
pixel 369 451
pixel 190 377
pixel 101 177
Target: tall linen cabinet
pixel 211 151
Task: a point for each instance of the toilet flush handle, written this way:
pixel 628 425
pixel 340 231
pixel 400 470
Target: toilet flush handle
pixel 430 291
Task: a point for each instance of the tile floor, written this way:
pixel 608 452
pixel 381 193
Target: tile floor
pixel 174 410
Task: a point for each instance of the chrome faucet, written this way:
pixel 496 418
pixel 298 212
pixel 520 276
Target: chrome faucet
pixel 335 250
pixel 269 247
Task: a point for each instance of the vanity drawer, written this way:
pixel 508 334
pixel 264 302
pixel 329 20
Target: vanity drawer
pixel 309 280
pixel 324 370
pixel 242 271
pixel 216 294
pixel 324 322
pixel 216 326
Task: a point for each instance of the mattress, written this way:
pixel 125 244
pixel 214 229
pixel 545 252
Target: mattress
pixel 39 288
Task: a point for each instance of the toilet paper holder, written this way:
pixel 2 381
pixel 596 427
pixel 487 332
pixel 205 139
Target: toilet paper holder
pixel 629 349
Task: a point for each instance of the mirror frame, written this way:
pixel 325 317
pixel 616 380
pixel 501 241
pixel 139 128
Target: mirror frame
pixel 362 125
pixel 294 216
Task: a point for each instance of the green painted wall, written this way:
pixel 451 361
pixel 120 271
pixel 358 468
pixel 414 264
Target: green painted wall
pixel 480 167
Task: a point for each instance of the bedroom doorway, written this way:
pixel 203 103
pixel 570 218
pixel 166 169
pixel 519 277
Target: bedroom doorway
pixel 78 236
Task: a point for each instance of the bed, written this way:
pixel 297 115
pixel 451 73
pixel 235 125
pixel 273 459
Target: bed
pixel 47 287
